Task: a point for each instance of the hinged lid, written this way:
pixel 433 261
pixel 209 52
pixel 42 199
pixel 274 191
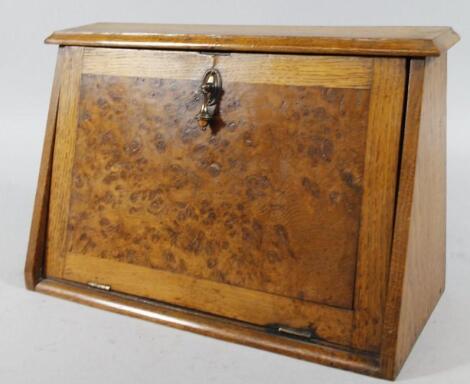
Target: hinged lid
pixel 272 217
pixel 103 287
pixel 388 41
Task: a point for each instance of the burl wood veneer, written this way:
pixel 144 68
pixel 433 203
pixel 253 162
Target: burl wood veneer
pixel 291 214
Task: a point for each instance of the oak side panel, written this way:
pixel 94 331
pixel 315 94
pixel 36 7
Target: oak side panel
pixel 403 213
pixel 63 160
pixel 417 274
pixel 37 236
pixel 385 118
pixel 425 268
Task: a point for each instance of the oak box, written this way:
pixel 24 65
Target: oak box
pixel 280 187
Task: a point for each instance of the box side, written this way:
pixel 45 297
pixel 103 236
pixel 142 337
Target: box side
pixel 37 237
pixel 417 272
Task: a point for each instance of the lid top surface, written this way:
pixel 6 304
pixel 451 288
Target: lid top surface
pixel 390 41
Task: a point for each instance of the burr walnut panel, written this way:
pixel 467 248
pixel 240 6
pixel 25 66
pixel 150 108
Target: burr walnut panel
pixel 270 202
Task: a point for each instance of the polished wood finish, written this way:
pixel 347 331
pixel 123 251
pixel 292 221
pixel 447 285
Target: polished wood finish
pixel 211 206
pixel 417 274
pixel 319 71
pixel 213 326
pixel 256 307
pixel 235 218
pixel 381 163
pixel 389 41
pixel 63 157
pixel 305 205
pixel 37 239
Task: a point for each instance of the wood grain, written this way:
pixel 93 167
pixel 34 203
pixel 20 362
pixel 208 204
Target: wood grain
pixel 270 202
pixel 322 71
pixel 385 41
pixel 213 326
pixel 240 207
pixel 417 273
pixel 63 160
pixel 37 238
pixel 283 213
pixel 256 307
pixel 379 185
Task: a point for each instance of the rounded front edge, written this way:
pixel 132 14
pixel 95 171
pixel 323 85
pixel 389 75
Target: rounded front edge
pixel 213 326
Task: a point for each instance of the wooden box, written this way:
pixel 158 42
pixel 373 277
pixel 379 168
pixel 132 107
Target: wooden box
pixel 282 188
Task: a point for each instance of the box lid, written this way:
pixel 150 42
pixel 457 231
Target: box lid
pixel 384 41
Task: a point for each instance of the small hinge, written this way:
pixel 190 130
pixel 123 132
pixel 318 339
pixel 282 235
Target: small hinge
pixel 103 287
pixel 214 53
pixel 303 333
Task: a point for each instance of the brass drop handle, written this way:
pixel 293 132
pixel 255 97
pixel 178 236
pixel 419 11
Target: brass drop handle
pixel 211 90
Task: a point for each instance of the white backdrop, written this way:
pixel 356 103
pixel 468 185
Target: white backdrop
pixel 48 340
